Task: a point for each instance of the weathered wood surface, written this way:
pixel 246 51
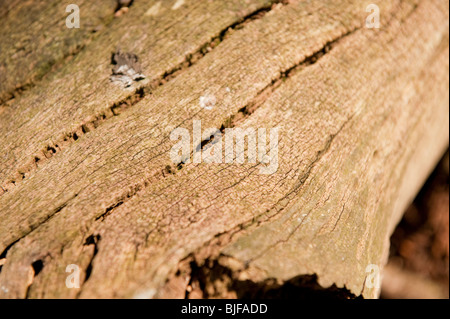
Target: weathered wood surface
pixel 32 43
pixel 88 180
pixel 81 93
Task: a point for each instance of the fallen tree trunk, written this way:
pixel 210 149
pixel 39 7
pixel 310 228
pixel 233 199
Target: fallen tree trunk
pixel 88 177
pixel 34 39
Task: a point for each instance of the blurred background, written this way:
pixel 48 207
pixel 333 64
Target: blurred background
pixel 419 258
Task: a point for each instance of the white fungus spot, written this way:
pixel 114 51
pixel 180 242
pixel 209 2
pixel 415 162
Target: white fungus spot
pixel 208 102
pixel 153 11
pixel 178 4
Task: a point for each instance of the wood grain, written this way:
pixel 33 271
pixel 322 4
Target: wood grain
pixel 80 96
pixel 363 118
pixel 35 39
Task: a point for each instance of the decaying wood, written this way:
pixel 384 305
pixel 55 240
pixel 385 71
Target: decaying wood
pixel 63 110
pixel 32 43
pixel 87 177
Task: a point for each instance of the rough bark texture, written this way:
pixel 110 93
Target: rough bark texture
pixel 34 38
pixel 86 176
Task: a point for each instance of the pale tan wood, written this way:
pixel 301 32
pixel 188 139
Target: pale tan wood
pixel 350 123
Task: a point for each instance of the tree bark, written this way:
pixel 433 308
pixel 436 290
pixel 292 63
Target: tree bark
pixel 87 179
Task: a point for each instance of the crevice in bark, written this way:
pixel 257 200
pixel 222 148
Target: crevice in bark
pixel 55 212
pixel 117 108
pixel 122 199
pixel 266 217
pixel 5 252
pixel 91 240
pixel 284 202
pixel 35 270
pixel 38 265
pixel 109 210
pixel 233 121
pixel 211 278
pixel 123 4
pixel 8 97
pixel 246 111
pixel 243 114
pixel 35 226
pixel 211 249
